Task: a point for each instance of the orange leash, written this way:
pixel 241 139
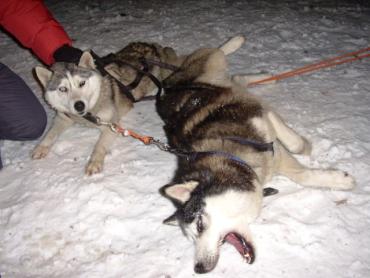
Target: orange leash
pixel 126 132
pixel 145 139
pixel 345 58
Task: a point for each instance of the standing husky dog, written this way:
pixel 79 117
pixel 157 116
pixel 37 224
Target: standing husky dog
pixel 223 136
pixel 73 91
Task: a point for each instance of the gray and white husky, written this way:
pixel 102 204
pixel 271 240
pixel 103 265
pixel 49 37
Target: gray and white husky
pixel 223 136
pixel 75 90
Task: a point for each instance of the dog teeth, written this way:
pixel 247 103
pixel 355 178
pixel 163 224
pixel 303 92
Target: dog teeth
pixel 247 258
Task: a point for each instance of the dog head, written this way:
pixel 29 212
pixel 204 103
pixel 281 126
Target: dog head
pixel 211 218
pixel 71 88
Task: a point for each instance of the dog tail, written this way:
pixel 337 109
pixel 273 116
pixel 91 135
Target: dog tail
pixel 232 45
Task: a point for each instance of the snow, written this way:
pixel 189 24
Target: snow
pixel 56 222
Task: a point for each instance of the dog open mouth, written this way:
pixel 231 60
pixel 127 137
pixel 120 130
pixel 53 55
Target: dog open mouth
pixel 242 245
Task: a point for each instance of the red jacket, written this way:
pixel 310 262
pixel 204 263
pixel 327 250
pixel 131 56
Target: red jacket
pixel 34 26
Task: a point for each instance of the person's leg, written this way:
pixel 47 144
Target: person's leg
pixel 22 116
pixel 1 162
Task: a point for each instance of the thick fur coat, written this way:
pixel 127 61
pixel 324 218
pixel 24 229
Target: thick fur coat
pixel 218 186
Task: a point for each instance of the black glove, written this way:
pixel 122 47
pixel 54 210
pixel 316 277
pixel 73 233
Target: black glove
pixel 67 54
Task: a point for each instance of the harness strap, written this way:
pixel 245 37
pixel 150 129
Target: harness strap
pixel 100 66
pixel 152 77
pixel 161 64
pixel 189 87
pixel 138 77
pixel 262 147
pixel 192 156
pixel 141 72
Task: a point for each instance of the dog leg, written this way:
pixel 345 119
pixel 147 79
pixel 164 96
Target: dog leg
pixel 232 45
pixel 60 124
pixel 334 179
pixel 96 161
pixel 288 137
pixel 214 70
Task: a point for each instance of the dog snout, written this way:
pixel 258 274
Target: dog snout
pixel 205 266
pixel 79 106
pixel 207 252
pixel 200 268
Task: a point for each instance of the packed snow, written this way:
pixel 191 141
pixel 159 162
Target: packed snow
pixel 57 222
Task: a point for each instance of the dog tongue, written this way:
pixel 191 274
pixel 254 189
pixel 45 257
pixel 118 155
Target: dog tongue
pixel 244 248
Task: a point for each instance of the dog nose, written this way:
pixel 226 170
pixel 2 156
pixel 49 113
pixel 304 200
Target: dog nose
pixel 199 268
pixel 79 106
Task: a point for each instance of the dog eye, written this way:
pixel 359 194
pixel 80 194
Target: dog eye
pixel 200 226
pixel 63 89
pixel 82 83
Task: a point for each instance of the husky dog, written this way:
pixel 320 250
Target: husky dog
pixel 75 90
pixel 229 145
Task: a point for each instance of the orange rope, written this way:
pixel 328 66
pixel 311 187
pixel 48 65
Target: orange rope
pixel 126 132
pixel 323 64
pixel 145 139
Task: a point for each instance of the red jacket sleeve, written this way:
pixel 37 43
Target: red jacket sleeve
pixel 33 25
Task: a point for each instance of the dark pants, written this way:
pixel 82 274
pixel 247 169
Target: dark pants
pixel 22 116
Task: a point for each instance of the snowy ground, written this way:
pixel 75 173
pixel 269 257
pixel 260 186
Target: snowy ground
pixel 56 222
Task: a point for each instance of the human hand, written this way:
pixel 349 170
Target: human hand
pixel 68 54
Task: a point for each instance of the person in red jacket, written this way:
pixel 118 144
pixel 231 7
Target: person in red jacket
pixel 22 117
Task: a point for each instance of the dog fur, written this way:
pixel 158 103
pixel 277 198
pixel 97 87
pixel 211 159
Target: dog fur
pixel 216 195
pixel 74 90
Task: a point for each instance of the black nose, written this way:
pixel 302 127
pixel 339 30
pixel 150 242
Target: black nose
pixel 79 106
pixel 199 268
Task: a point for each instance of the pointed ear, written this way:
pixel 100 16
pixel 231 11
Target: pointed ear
pixel 87 61
pixel 180 192
pixel 171 220
pixel 43 75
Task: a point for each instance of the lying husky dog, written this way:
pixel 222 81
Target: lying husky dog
pixel 74 91
pixel 229 145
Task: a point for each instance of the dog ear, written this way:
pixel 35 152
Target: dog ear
pixel 171 220
pixel 43 75
pixel 87 61
pixel 180 192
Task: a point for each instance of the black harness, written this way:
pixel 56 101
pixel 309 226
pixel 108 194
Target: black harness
pixel 126 89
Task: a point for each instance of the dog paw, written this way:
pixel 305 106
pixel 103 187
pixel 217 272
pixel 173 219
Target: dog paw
pixel 94 167
pixel 40 152
pixel 342 180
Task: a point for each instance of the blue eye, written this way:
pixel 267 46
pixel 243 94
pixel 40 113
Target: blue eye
pixel 63 89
